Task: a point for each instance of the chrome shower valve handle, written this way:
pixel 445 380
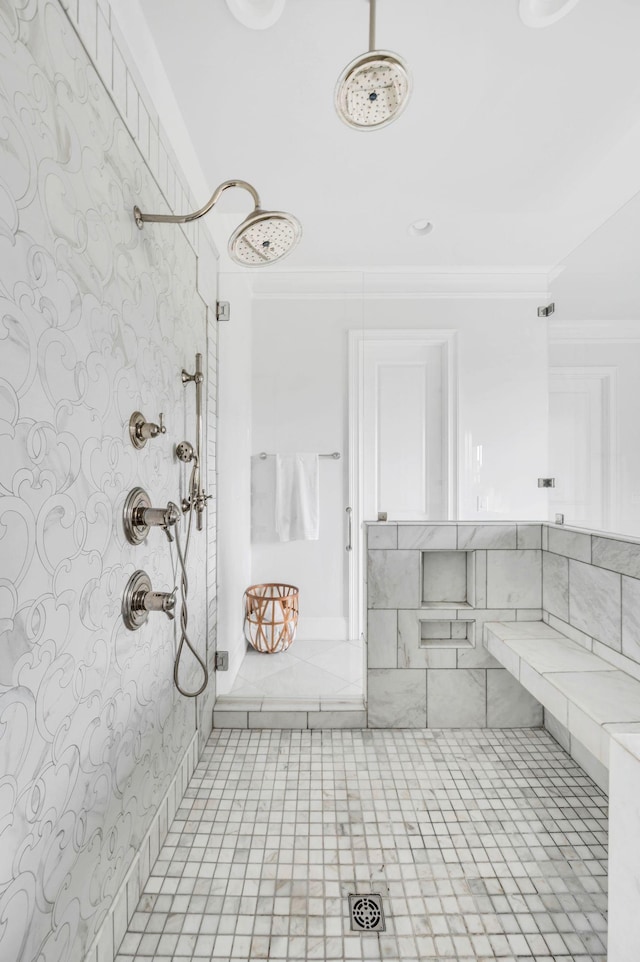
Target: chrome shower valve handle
pixel 141 430
pixel 160 601
pixel 139 599
pixel 138 516
pixel 199 502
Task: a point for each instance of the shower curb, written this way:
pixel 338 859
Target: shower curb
pixel 226 715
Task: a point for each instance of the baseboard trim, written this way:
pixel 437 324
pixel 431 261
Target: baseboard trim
pixel 104 947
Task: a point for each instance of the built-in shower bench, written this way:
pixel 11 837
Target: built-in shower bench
pixel 590 697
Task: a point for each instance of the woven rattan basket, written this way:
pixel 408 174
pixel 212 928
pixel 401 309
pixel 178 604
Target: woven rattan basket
pixel 270 616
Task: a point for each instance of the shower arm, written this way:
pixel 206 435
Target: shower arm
pixel 372 25
pixel 187 218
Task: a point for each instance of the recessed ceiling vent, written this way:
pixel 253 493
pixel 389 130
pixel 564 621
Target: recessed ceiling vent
pixel 542 13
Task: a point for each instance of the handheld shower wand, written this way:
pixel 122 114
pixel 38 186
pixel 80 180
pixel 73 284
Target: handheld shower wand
pixel 194 501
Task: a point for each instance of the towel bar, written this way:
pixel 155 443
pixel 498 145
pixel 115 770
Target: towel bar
pixel 335 455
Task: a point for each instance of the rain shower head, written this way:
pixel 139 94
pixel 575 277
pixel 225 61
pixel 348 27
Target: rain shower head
pixel 263 237
pixel 374 88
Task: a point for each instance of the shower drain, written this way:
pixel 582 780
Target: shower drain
pixel 366 913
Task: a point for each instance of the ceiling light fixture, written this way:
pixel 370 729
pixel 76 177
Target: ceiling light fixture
pixel 256 14
pixel 542 13
pixel 374 88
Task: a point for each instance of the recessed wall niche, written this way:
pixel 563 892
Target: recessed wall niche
pixel 448 579
pixel 447 634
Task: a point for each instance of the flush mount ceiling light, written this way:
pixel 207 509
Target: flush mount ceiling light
pixel 256 14
pixel 374 88
pixel 542 13
pixel 264 236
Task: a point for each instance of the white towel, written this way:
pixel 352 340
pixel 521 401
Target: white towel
pixel 297 497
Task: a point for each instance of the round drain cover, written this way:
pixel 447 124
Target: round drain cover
pixel 366 912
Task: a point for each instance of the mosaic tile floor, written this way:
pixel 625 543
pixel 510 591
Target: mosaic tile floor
pixel 485 845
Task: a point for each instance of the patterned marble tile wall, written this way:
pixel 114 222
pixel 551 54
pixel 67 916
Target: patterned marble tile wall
pixel 591 592
pixel 430 588
pixel 107 49
pixel 96 321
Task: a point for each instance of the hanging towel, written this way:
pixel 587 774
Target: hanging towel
pixel 297 497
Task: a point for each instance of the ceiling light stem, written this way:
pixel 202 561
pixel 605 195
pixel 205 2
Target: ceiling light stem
pixel 187 218
pixel 372 24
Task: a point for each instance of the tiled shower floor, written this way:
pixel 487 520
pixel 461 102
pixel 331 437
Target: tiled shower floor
pixel 483 844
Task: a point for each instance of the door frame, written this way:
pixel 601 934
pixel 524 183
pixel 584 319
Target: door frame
pixel 447 339
pixel 607 376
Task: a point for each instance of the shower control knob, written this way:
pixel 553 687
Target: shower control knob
pixel 139 599
pixel 160 601
pixel 141 430
pixel 138 516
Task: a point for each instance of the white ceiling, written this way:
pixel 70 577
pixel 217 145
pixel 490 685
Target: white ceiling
pixel 600 279
pixel 512 145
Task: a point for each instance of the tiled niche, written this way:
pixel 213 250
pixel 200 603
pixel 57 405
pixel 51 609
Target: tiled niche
pixel 430 589
pixel 447 634
pixel 448 579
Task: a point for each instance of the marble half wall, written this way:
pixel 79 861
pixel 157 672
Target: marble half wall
pixel 430 588
pixel 97 320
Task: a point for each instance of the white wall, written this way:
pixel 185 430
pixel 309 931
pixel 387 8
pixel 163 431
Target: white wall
pixel 299 403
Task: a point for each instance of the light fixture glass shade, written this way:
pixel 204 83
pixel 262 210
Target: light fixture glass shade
pixel 542 13
pixel 256 14
pixel 373 90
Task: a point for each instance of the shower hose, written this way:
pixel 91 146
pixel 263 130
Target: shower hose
pixel 184 591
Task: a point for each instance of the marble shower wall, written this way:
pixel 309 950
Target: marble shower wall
pixel 97 319
pixel 430 588
pixel 591 592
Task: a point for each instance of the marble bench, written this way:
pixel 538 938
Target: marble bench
pixel 590 697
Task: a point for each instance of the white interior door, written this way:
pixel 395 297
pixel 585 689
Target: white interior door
pixel 405 436
pixel 402 435
pixel 579 445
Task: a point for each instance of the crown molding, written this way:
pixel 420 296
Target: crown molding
pixel 402 284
